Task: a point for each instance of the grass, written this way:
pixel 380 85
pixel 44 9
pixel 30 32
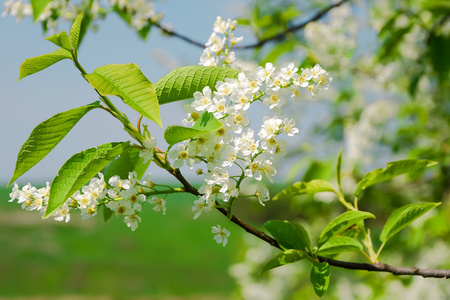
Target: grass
pixel 170 255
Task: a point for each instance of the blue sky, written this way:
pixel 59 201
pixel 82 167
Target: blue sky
pixel 38 97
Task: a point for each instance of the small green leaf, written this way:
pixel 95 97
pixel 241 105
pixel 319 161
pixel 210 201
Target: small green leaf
pixel 182 83
pixel 438 46
pixel 205 124
pixel 61 40
pixel 38 7
pixel 289 235
pixel 404 216
pixel 287 257
pixel 78 170
pixel 320 277
pixel 39 63
pixel 127 82
pixel 340 244
pixel 279 50
pixel 75 32
pixel 340 223
pixel 392 170
pixel 301 188
pixel 128 161
pixel 338 170
pixel 46 136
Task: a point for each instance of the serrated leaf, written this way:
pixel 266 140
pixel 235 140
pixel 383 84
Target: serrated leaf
pixel 75 31
pixel 78 170
pixel 46 136
pixel 205 124
pixel 340 244
pixel 320 277
pixel 61 40
pixel 289 235
pixel 287 257
pixel 127 82
pixel 301 188
pixel 39 63
pixel 38 7
pixel 404 216
pixel 392 170
pixel 340 223
pixel 182 83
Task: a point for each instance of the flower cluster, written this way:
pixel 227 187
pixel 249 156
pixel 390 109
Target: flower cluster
pixel 123 197
pixel 236 151
pixel 219 44
pixel 141 12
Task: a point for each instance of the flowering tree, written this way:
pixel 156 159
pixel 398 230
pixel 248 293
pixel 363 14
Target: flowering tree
pixel 217 138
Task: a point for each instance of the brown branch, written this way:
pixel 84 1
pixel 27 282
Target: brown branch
pixel 377 267
pixel 279 36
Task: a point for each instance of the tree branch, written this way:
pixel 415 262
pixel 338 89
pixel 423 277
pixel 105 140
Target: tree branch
pixel 279 36
pixel 293 29
pixel 377 267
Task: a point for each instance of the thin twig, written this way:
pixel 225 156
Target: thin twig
pixel 293 29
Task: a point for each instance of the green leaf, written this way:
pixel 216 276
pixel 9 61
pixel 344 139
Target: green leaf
pixel 320 277
pixel 205 124
pixel 127 82
pixel 75 32
pixel 404 216
pixel 38 7
pixel 340 244
pixel 279 50
pixel 392 170
pixel 438 46
pixel 78 170
pixel 182 83
pixel 301 188
pixel 341 223
pixel 46 136
pixel 287 257
pixel 289 235
pixel 61 40
pixel 338 170
pixel 128 161
pixel 39 63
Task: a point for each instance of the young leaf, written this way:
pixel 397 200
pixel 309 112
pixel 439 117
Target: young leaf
pixel 78 170
pixel 127 82
pixel 392 170
pixel 38 7
pixel 340 223
pixel 289 235
pixel 320 277
pixel 205 124
pixel 338 170
pixel 404 216
pixel 287 257
pixel 301 188
pixel 46 136
pixel 39 63
pixel 61 40
pixel 128 161
pixel 182 83
pixel 340 244
pixel 75 31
